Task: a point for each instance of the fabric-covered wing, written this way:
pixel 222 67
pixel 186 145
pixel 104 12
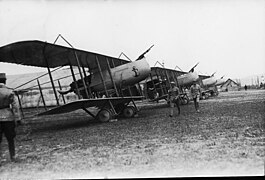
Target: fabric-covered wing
pixel 86 103
pixel 203 77
pixel 158 71
pixel 43 54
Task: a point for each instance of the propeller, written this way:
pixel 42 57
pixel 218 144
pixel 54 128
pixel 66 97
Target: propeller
pixel 192 69
pixel 139 58
pixel 213 74
pixel 142 55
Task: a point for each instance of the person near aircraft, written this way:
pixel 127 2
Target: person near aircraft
pixel 9 116
pixel 195 93
pixel 79 83
pixel 173 97
pixel 261 84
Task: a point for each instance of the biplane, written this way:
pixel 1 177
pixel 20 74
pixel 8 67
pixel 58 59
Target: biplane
pixel 159 80
pixel 187 78
pixel 103 78
pixel 209 85
pixel 209 81
pixel 220 81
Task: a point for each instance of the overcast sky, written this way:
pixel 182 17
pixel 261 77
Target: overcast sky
pixel 227 36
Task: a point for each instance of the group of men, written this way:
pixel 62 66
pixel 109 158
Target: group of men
pixel 174 97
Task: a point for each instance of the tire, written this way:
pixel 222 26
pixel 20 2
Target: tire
pixel 129 112
pixel 104 115
pixel 184 101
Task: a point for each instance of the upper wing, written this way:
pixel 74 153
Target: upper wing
pixel 43 54
pixel 204 77
pixel 85 103
pixel 158 71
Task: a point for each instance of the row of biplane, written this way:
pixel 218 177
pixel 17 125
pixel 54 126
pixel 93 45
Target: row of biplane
pixel 110 84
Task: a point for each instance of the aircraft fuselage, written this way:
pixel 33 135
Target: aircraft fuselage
pixel 209 81
pixel 123 75
pixel 187 79
pixel 220 81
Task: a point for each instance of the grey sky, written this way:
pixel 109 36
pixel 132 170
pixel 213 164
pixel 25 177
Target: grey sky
pixel 227 36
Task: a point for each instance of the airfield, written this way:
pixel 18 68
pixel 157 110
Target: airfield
pixel 225 139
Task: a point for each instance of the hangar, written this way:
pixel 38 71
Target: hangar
pixel 230 85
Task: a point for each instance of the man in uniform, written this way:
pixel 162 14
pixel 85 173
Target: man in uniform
pixel 195 93
pixel 173 97
pixel 9 115
pixel 80 86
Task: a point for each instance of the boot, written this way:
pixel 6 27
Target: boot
pixel 171 113
pixel 11 147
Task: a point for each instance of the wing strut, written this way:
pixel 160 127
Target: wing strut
pixel 20 104
pixel 61 89
pixel 89 88
pixel 73 75
pixel 50 75
pixel 42 97
pixel 77 61
pixel 163 78
pixel 160 85
pixel 101 76
pixel 174 77
pixel 82 78
pixel 112 81
pixel 168 80
pixel 88 112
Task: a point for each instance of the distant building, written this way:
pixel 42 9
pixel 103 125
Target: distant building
pixel 230 85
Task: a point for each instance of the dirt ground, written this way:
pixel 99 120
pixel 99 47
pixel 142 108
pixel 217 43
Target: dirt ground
pixel 225 139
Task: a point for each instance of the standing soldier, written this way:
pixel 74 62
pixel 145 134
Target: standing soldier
pixel 173 97
pixel 195 93
pixel 9 115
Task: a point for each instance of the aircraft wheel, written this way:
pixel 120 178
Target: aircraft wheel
pixel 104 115
pixel 129 111
pixel 184 100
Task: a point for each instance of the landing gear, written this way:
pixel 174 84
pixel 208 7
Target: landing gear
pixel 104 115
pixel 129 111
pixel 184 100
pixel 110 108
